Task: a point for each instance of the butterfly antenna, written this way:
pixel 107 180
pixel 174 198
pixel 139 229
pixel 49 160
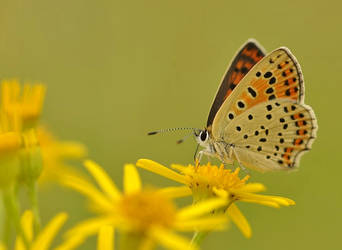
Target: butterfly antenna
pixel 194 130
pixel 170 130
pixel 184 138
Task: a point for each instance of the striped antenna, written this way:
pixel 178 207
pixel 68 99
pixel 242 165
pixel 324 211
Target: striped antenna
pixel 195 130
pixel 170 130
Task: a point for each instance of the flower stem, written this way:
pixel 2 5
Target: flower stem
pixel 33 195
pixel 198 237
pixel 13 214
pixel 7 229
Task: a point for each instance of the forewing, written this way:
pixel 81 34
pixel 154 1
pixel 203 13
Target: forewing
pixel 272 135
pixel 246 58
pixel 276 76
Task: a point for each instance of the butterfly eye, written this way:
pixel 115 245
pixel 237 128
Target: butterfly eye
pixel 203 135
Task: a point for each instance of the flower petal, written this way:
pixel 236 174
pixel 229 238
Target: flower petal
pixel 71 243
pixel 132 182
pixel 273 201
pixel 45 237
pixel 201 208
pixel 84 187
pixel 240 220
pixel 106 238
pixel 89 227
pixel 2 246
pixel 283 200
pixel 157 168
pixel 27 226
pixel 175 192
pixel 253 188
pixel 170 240
pixel 262 202
pixel 220 192
pixel 103 180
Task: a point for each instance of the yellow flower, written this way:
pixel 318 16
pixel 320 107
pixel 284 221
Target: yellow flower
pixel 209 181
pixel 43 240
pixel 55 153
pixel 26 103
pixel 144 217
pixel 105 239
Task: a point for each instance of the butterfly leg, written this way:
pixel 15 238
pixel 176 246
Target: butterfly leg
pixel 198 158
pixel 236 157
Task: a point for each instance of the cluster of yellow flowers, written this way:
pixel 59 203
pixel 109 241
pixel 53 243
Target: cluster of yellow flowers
pixel 144 217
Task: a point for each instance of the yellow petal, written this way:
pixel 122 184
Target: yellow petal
pixel 240 220
pixel 253 188
pixel 262 202
pixel 106 238
pixel 89 227
pixel 132 182
pixel 72 150
pixel 170 240
pixel 201 208
pixel 103 180
pixel 27 226
pixel 267 199
pixel 71 243
pixel 161 170
pixel 213 222
pixel 2 246
pixel 45 237
pixel 87 189
pixel 9 141
pixel 283 201
pixel 220 192
pixel 19 244
pixel 175 192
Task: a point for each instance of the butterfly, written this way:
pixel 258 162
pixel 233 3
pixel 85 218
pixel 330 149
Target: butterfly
pixel 258 117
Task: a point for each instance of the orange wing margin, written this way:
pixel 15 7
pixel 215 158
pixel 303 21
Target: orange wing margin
pixel 246 58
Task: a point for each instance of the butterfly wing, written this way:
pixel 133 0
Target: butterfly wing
pixel 246 58
pixel 272 135
pixel 276 76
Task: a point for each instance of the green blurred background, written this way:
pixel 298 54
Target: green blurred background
pixel 118 69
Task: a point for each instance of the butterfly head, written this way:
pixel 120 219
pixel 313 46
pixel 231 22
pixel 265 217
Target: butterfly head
pixel 202 137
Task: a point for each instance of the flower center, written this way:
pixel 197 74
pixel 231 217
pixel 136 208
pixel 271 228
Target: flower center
pixel 146 209
pixel 202 179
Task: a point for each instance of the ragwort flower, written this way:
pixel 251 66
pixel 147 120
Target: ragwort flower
pixel 144 217
pixel 22 106
pixel 26 102
pixel 207 181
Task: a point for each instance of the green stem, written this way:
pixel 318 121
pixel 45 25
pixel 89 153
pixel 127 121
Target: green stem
pixel 13 214
pixel 33 195
pixel 6 227
pixel 198 237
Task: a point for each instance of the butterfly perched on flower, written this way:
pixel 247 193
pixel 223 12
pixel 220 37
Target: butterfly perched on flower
pixel 258 117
